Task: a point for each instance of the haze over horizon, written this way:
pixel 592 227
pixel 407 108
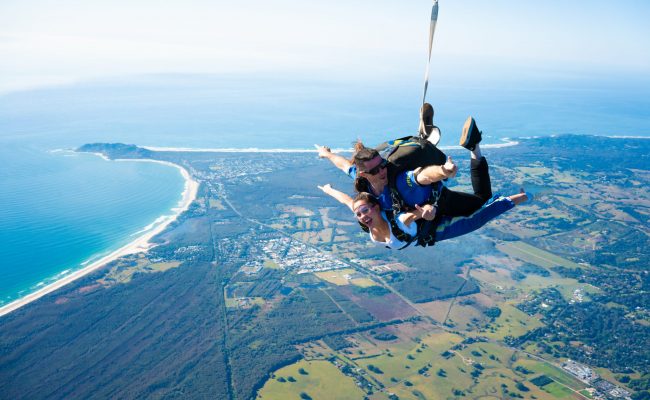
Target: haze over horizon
pixel 46 43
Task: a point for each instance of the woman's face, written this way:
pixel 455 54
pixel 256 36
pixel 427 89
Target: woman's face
pixel 366 212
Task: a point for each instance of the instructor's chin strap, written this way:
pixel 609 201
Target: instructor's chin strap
pixel 432 29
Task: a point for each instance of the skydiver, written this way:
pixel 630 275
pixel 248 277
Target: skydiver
pixel 421 226
pixel 402 190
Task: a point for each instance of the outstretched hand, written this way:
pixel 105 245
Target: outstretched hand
pixel 427 211
pixel 450 169
pixel 325 188
pixel 323 151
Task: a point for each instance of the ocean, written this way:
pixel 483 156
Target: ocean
pixel 60 210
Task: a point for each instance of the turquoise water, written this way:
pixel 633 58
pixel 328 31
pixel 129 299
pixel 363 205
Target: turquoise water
pixel 59 209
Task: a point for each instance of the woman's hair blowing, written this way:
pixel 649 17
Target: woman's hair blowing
pixel 367 197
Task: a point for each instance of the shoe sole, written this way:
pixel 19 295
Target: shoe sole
pixel 426 119
pixel 434 136
pixel 467 129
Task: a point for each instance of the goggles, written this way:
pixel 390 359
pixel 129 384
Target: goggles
pixel 362 210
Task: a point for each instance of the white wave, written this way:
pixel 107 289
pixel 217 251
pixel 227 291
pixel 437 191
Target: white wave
pixel 236 150
pixel 152 225
pixel 626 137
pixel 53 151
pixel 507 142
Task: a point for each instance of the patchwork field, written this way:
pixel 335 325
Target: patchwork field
pixel 422 362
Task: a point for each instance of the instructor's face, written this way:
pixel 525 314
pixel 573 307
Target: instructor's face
pixel 375 171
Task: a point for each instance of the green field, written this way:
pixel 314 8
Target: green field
pixel 513 322
pixel 552 372
pixel 534 255
pixel 124 272
pixel 462 317
pixel 497 376
pixel 324 381
pixel 500 280
pixel 243 302
pixel 341 277
pixel 559 392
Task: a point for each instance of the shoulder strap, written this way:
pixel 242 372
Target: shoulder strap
pixel 398 232
pixel 425 235
pixel 396 199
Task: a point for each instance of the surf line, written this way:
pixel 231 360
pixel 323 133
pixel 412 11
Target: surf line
pixel 140 244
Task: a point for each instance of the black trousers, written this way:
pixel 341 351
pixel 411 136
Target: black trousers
pixel 459 204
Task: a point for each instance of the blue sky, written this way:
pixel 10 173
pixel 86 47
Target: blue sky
pixel 45 42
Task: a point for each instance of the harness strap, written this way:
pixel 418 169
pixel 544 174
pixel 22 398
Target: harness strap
pixel 432 29
pixel 425 235
pixel 399 233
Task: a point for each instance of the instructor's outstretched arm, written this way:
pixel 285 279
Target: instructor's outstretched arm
pixel 339 161
pixel 436 173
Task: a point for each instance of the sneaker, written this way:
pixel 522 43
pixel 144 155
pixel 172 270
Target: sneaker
pixel 434 136
pixel 427 129
pixel 471 135
pixel 530 195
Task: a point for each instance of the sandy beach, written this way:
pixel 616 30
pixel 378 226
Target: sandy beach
pixel 140 244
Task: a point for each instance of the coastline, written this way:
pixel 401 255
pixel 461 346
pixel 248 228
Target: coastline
pixel 139 244
pixel 507 142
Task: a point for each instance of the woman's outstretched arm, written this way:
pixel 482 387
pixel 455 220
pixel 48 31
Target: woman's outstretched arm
pixel 338 195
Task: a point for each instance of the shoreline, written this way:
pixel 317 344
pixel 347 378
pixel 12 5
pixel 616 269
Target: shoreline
pixel 139 244
pixel 507 142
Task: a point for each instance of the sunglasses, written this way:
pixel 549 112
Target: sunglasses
pixel 375 170
pixel 362 210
